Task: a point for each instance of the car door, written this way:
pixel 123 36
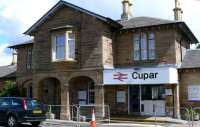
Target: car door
pixel 4 107
pixel 17 108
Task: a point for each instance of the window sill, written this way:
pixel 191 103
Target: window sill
pixel 64 60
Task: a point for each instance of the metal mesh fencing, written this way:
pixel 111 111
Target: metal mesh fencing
pixel 102 112
pixel 63 112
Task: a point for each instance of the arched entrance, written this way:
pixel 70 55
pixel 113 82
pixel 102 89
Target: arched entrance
pixel 27 89
pixel 49 93
pixel 82 91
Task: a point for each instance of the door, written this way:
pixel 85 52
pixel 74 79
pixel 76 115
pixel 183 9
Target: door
pixel 153 102
pixel 134 99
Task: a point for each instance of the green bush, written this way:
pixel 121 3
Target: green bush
pixel 10 89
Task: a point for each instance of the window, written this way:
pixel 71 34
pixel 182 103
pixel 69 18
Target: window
pixel 121 96
pixel 137 47
pixel 143 43
pixel 151 46
pixel 194 92
pixel 4 103
pixel 17 103
pixel 60 46
pixel 63 47
pixel 153 92
pixel 144 46
pixel 29 58
pixel 91 93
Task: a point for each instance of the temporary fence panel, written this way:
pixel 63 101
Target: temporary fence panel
pixel 63 112
pixel 102 112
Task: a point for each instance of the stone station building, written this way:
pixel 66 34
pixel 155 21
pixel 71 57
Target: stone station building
pixel 134 65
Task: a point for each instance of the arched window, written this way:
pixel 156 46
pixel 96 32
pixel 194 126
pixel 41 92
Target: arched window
pixel 91 93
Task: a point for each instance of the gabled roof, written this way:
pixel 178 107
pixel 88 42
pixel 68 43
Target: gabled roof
pixel 64 3
pixel 8 71
pixel 29 42
pixel 191 59
pixel 142 22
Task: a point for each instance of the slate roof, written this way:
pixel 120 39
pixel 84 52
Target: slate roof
pixel 8 71
pixel 141 22
pixel 191 59
pixel 22 44
pixel 137 22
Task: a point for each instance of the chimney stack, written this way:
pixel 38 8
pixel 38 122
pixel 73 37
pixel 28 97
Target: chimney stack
pixel 14 59
pixel 127 10
pixel 177 11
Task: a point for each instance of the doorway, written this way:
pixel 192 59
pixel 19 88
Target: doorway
pixel 134 100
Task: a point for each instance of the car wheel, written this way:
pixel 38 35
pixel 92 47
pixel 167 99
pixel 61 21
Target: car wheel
pixel 35 124
pixel 11 121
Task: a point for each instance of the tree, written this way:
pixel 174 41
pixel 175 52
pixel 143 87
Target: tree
pixel 10 89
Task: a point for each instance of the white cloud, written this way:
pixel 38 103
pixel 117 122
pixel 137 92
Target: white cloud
pixel 5 59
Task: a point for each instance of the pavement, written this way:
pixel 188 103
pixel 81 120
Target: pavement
pixel 133 124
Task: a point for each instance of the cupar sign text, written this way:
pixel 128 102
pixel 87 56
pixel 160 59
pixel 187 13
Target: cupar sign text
pixel 144 76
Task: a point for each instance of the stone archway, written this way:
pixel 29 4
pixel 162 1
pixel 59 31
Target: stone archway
pixel 49 92
pixel 27 89
pixel 81 90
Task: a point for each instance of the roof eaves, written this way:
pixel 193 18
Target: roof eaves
pixel 188 32
pixel 149 26
pixel 20 44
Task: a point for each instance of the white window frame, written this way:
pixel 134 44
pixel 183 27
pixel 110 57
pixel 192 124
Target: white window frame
pixel 66 57
pixel 89 93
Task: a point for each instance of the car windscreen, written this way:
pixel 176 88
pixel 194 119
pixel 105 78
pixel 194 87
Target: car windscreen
pixel 32 103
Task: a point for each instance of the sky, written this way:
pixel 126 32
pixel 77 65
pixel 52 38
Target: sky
pixel 16 16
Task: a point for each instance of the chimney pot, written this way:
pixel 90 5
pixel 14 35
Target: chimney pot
pixel 177 11
pixel 127 10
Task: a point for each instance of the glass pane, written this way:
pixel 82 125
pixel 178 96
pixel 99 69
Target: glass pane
pixel 151 36
pixel 71 49
pixel 143 47
pixel 144 54
pixel 60 52
pixel 137 55
pixel 151 44
pixel 71 36
pixel 146 93
pixel 152 54
pixel 136 37
pixel 60 40
pixel 137 45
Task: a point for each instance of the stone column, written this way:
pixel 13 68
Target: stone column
pixel 65 108
pixel 36 90
pixel 176 102
pixel 99 98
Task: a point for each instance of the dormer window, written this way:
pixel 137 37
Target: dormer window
pixel 63 46
pixel 144 46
